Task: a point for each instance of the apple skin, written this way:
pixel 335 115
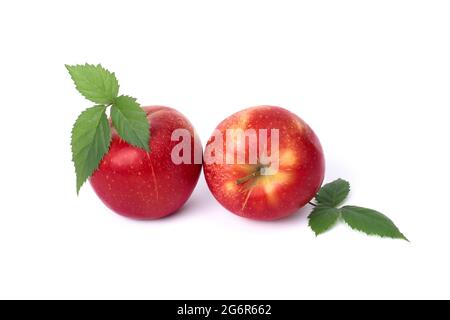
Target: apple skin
pixel 139 185
pixel 299 178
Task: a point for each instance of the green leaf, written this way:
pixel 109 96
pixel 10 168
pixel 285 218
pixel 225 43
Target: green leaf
pixel 323 218
pixel 131 122
pixel 370 222
pixel 95 83
pixel 334 193
pixel 91 137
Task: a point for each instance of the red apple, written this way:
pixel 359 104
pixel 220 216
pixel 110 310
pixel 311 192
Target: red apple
pixel 243 188
pixel 143 185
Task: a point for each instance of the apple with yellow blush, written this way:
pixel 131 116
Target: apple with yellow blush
pixel 250 177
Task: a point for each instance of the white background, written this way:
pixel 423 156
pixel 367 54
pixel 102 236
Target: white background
pixel 371 77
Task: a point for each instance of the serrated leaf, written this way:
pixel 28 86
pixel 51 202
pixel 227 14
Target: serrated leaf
pixel 370 222
pixel 333 193
pixel 91 137
pixel 131 122
pixel 323 218
pixel 95 83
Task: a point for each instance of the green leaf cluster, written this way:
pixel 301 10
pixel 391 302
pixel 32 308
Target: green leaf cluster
pixel 326 213
pixel 91 134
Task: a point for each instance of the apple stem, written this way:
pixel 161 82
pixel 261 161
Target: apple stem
pixel 247 178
